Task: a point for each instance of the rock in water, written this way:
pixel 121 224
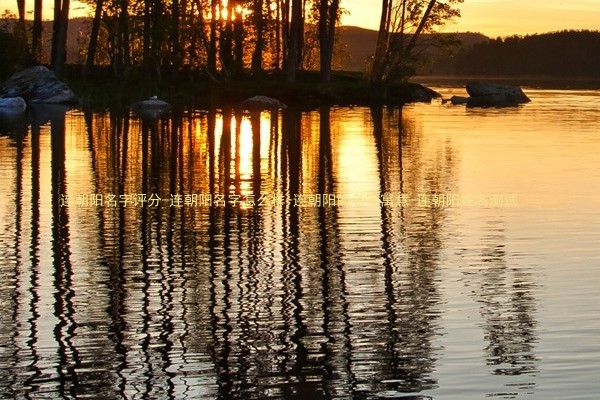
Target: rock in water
pixel 152 108
pixel 420 93
pixel 38 85
pixel 459 100
pixel 485 94
pixel 12 105
pixel 262 103
pixel 153 103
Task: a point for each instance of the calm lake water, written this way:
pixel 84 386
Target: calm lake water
pixel 428 252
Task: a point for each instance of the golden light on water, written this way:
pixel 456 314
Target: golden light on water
pixel 245 155
pixel 242 168
pixel 352 287
pixel 352 152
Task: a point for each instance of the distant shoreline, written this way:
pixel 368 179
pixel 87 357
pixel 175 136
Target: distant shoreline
pixel 535 82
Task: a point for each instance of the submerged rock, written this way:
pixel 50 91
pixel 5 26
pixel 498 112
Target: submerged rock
pixel 485 94
pixel 262 103
pixel 152 103
pixel 420 93
pixel 12 105
pixel 459 100
pixel 151 108
pixel 37 85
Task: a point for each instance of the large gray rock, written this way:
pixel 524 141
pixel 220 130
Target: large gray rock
pixel 38 85
pixel 484 94
pixel 262 103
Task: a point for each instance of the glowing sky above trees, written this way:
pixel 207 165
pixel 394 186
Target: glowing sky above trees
pixel 499 17
pixel 490 17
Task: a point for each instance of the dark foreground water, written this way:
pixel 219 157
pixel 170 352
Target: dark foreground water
pixel 340 253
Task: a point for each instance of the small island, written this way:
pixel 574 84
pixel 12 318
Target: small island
pixel 195 56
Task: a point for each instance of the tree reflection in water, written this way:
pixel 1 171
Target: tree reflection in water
pixel 233 300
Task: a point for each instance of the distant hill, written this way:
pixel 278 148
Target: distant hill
pixel 76 36
pixel 359 46
pixel 556 54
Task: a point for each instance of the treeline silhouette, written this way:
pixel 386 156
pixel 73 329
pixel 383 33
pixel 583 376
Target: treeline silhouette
pixel 560 54
pixel 225 39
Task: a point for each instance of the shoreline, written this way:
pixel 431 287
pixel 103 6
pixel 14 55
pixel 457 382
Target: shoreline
pixel 525 81
pixel 345 89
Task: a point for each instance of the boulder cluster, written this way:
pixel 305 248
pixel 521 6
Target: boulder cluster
pixel 34 85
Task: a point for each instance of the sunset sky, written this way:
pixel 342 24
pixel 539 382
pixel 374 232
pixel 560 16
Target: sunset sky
pixel 490 17
pixel 499 17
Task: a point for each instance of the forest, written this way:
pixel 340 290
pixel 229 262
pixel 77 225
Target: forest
pixel 223 39
pixel 556 54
